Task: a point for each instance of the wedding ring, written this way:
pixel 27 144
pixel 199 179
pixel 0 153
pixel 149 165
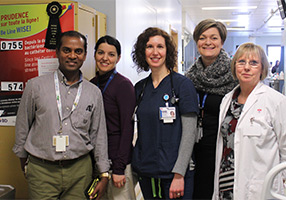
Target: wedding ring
pixel 178 194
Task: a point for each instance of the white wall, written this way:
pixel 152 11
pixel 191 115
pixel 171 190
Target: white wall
pixel 188 25
pixel 132 17
pixel 231 42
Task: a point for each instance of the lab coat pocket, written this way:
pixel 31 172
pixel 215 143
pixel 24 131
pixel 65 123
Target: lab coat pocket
pixel 254 128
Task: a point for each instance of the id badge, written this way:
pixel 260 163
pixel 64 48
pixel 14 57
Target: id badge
pixel 60 142
pixel 167 114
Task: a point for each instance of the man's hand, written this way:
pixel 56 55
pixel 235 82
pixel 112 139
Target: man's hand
pixel 177 187
pixel 23 162
pixel 118 180
pixel 100 189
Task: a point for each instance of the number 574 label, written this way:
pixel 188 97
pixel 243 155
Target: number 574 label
pixel 11 86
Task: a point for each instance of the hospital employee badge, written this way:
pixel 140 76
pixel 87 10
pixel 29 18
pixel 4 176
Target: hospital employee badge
pixel 61 142
pixel 167 114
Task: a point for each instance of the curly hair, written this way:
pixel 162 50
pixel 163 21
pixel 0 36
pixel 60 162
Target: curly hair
pixel 138 52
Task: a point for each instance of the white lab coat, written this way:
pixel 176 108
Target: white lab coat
pixel 259 142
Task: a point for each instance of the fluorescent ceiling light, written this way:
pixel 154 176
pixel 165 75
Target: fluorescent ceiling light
pixel 239 29
pixel 241 13
pixel 236 28
pixel 228 20
pixel 275 27
pixel 230 8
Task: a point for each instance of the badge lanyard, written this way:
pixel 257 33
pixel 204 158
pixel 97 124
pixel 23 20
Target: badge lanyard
pixel 58 95
pixel 203 104
pixel 200 118
pixel 109 80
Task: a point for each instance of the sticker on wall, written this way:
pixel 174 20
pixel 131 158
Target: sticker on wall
pixel 54 10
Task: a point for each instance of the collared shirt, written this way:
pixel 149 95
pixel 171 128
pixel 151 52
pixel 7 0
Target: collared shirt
pixel 38 121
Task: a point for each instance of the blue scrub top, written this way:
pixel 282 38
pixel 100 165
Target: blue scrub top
pixel 157 145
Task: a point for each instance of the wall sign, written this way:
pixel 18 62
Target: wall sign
pixel 23 31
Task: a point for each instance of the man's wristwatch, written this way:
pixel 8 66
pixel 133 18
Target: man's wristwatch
pixel 105 175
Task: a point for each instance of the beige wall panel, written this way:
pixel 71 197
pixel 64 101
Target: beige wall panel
pixel 86 25
pixel 100 24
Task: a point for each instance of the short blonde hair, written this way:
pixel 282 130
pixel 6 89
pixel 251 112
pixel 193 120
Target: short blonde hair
pixel 250 48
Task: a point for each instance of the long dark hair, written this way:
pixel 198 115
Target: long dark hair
pixel 138 52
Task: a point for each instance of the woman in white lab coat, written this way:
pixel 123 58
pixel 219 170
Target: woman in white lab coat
pixel 252 129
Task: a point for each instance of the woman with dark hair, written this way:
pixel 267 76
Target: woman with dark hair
pixel 166 114
pixel 275 68
pixel 212 78
pixel 119 102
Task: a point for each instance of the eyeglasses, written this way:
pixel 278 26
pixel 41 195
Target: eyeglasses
pixel 242 63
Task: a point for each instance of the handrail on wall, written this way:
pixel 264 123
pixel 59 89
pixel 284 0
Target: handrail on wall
pixel 267 191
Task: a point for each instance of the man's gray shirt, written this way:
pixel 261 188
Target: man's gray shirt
pixel 38 121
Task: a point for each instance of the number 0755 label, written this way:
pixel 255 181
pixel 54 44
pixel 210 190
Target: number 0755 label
pixel 11 86
pixel 11 45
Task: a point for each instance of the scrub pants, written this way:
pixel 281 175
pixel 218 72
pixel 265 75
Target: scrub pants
pixel 159 188
pixel 53 182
